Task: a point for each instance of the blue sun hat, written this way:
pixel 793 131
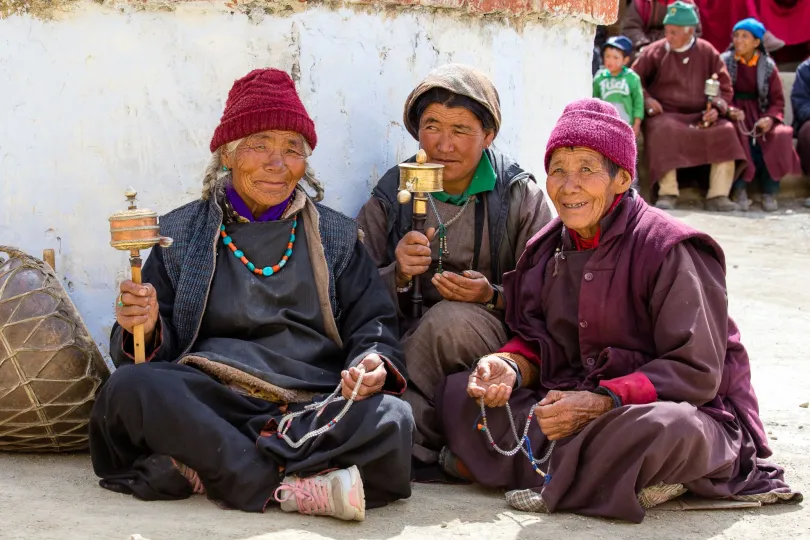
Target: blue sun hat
pixel 756 28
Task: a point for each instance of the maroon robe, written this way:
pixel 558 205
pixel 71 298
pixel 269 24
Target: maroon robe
pixel 644 314
pixel 777 145
pixel 676 80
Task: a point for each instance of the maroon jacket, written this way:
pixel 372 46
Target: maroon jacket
pixel 620 343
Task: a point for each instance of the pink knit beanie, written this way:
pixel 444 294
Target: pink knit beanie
pixel 262 100
pixel 596 125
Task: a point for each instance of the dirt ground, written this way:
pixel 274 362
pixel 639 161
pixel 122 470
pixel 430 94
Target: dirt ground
pixel 57 497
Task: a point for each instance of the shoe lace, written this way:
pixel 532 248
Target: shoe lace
pixel 312 496
pixel 191 475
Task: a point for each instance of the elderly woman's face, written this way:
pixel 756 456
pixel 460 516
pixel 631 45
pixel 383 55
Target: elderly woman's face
pixel 453 137
pixel 266 167
pixel 745 43
pixel 581 189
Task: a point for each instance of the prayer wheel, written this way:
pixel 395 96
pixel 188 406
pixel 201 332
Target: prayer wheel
pixel 132 230
pixel 416 182
pixel 50 367
pixel 711 88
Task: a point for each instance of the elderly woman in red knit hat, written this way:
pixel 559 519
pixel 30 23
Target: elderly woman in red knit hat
pixel 624 383
pixel 266 304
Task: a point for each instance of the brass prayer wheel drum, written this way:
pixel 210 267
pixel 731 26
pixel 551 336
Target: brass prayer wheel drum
pixel 50 367
pixel 135 228
pixel 420 177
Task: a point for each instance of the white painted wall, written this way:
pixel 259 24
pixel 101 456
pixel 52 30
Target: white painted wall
pixel 104 98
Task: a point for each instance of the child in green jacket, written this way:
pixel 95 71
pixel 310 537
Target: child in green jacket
pixel 618 84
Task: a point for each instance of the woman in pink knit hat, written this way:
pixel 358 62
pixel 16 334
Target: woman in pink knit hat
pixel 266 303
pixel 624 377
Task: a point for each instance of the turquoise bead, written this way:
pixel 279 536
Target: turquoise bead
pixel 267 271
pixel 238 254
pixel 251 266
pixel 282 263
pixel 292 238
pixel 295 223
pixel 288 253
pixel 222 227
pixel 227 240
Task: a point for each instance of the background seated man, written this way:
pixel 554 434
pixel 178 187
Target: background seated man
pixel 759 109
pixel 673 72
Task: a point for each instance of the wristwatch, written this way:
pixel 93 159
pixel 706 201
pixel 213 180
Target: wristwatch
pixel 493 303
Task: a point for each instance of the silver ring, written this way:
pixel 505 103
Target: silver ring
pixel 650 110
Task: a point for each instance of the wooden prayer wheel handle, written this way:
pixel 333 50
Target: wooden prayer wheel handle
pixel 139 342
pixel 416 291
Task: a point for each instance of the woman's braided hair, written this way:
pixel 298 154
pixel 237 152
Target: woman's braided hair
pixel 215 178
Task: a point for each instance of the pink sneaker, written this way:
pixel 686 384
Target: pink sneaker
pixel 338 494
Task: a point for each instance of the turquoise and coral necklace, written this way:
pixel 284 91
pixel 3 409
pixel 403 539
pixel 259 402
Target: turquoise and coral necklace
pixel 267 270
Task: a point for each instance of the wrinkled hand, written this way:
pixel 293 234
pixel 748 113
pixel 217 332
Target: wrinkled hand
pixel 561 414
pixel 373 381
pixel 493 380
pixel 413 255
pixel 736 115
pixel 471 286
pixel 652 104
pixel 140 307
pixel 765 124
pixel 710 116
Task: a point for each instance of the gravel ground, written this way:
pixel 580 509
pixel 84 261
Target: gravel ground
pixel 57 497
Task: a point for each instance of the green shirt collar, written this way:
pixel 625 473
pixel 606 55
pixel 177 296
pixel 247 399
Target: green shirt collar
pixel 482 181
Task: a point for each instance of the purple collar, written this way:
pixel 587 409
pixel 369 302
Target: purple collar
pixel 273 213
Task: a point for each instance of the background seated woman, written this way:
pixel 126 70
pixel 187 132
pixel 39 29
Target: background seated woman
pixel 264 301
pixel 621 332
pixel 758 108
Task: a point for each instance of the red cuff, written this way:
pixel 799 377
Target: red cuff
pixel 127 340
pixel 518 345
pixel 633 389
pixel 401 383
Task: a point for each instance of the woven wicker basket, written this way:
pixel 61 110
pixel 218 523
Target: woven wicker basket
pixel 50 367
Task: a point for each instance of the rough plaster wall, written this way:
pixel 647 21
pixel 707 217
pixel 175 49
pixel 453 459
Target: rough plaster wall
pixel 102 99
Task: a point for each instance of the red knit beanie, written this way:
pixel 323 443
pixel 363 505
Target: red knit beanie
pixel 263 99
pixel 596 125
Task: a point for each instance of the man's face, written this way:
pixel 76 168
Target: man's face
pixel 678 36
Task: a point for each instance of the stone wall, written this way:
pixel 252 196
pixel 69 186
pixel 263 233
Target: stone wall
pixel 100 96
